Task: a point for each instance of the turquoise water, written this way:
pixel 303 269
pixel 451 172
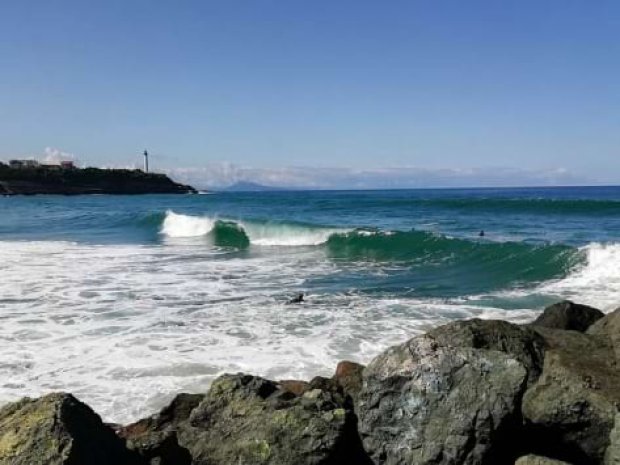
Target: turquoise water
pixel 100 291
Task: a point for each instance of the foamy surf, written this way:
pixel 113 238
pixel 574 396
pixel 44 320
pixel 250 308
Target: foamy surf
pixel 177 225
pixel 596 282
pixel 127 327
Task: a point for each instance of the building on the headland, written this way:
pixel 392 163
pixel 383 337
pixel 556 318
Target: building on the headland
pixel 51 167
pixel 23 164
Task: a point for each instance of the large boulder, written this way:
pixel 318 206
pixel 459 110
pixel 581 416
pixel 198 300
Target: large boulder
pixel 568 315
pixel 247 420
pixel 58 429
pixel 572 409
pixel 519 342
pixel 155 438
pixel 429 402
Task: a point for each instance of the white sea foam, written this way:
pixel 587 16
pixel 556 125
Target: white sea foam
pixel 286 235
pixel 596 282
pixel 126 327
pixel 176 225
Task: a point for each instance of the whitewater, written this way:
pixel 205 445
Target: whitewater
pixel 127 301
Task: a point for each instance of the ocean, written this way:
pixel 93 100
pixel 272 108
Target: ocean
pixel 127 301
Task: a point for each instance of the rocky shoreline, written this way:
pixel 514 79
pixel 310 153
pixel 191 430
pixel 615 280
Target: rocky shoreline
pixel 470 392
pixel 86 181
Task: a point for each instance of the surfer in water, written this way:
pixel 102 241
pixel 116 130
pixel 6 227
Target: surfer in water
pixel 297 300
pixel 481 233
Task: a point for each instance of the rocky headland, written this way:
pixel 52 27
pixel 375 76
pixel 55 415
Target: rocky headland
pixel 76 181
pixel 469 392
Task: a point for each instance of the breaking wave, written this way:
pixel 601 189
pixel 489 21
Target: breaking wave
pixel 224 232
pixel 522 260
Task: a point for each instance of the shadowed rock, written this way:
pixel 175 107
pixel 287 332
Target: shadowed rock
pixel 568 315
pixel 572 409
pixel 58 429
pixel 155 439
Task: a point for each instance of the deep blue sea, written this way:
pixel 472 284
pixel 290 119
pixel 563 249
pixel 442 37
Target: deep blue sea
pixel 126 301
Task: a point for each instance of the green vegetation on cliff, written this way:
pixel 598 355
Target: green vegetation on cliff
pixel 51 180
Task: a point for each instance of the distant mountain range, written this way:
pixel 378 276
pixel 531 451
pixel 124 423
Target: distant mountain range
pixel 246 186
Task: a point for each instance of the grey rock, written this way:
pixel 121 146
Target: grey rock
pixel 426 402
pixel 572 408
pixel 247 420
pixel 519 342
pixel 568 315
pixel 58 429
pixel 609 327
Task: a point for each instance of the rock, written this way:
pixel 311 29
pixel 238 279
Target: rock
pixel 349 376
pixel 521 343
pixel 159 448
pixel 155 439
pixel 612 454
pixel 58 429
pixel 177 411
pixel 538 460
pixel 294 386
pixel 247 420
pixel 572 409
pixel 568 315
pixel 609 327
pixel 427 402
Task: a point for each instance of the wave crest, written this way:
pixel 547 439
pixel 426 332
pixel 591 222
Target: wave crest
pixel 226 232
pixel 176 225
pixel 596 282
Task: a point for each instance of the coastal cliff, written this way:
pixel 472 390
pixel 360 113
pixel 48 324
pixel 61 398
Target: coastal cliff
pixel 472 392
pixel 75 181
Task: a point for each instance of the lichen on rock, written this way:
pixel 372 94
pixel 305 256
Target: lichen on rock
pixel 58 429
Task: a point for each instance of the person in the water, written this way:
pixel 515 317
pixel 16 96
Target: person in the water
pixel 297 300
pixel 481 233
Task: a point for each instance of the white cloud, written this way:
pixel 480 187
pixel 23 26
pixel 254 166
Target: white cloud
pixel 220 175
pixel 55 156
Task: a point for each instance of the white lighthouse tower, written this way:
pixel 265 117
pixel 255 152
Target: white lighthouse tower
pixel 146 161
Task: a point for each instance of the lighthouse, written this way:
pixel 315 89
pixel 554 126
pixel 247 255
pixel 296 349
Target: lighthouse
pixel 146 161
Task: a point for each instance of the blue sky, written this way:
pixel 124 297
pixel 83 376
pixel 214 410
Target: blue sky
pixel 414 92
